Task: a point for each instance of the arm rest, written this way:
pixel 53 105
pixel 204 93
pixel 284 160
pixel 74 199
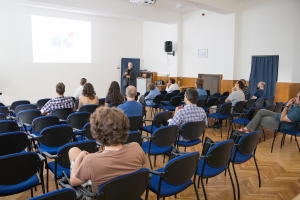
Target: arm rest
pixel 155 172
pixel 202 157
pixel 179 154
pixel 85 191
pixel 76 129
pixel 49 155
pixel 35 137
pixel 42 158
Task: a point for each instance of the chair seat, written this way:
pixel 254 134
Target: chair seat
pixel 208 170
pixel 216 116
pixel 240 121
pixel 148 128
pixel 20 187
pixel 169 108
pixel 155 150
pixel 166 189
pixel 51 150
pixel 189 143
pixel 294 133
pixel 239 158
pixel 153 106
pixel 59 169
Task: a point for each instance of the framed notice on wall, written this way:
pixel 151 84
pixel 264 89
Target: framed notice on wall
pixel 202 53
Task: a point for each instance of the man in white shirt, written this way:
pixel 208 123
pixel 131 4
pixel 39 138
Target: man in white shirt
pixel 78 91
pixel 171 86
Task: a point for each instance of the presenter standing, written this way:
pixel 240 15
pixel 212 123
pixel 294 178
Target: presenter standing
pixel 128 76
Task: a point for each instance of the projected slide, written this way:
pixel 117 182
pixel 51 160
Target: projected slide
pixel 56 40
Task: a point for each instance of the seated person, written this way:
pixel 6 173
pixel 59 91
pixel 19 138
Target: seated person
pixel 78 91
pixel 260 93
pixel 202 94
pixel 270 120
pixel 190 112
pixel 148 100
pixel 171 86
pixel 114 95
pixel 131 107
pixel 58 102
pixel 237 93
pixel 109 126
pixel 246 89
pixel 88 96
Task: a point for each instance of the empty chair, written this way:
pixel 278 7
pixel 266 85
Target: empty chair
pixel 168 96
pixel 8 126
pixel 160 119
pixel 270 101
pixel 4 110
pixel 175 176
pixel 25 107
pixel 135 123
pixel 181 95
pixel 237 109
pixel 77 121
pixel 17 103
pixel 259 102
pixel 65 194
pixel 249 104
pixel 41 102
pixel 88 108
pixel 13 142
pixel 26 117
pixel 39 123
pixel 278 107
pixel 201 103
pixel 172 104
pixel 62 114
pixel 2 116
pixel 270 107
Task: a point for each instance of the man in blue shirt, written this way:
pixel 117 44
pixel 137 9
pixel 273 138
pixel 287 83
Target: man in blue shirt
pixel 131 107
pixel 260 93
pixel 202 94
pixel 148 100
pixel 270 120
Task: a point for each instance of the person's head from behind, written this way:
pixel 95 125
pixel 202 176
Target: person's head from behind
pixel 244 81
pixel 109 126
pixel 261 85
pixel 114 87
pixel 239 85
pixel 82 81
pixel 131 92
pixel 129 65
pixel 191 96
pixel 151 86
pixel 60 88
pixel 199 82
pixel 88 91
pixel 172 80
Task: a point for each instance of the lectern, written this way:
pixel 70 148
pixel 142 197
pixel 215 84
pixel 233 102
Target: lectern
pixel 141 84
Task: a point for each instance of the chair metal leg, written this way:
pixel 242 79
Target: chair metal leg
pixel 282 140
pixel 150 161
pixel 164 158
pixel 264 135
pixel 198 181
pixel 231 180
pixel 291 138
pixel 155 161
pixel 206 180
pixel 196 191
pixel 220 127
pixel 203 188
pixel 31 192
pixel 47 180
pixel 275 134
pixel 229 130
pixel 259 181
pixel 297 143
pixel 55 179
pixel 237 181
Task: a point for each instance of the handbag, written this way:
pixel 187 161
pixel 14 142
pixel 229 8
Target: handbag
pixel 208 143
pixel 236 136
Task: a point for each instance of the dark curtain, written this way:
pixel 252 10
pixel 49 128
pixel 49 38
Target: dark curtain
pixel 264 68
pixel 135 67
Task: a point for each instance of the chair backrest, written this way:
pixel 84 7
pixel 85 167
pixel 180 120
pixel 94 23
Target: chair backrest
pixel 181 169
pixel 29 163
pixel 111 105
pixel 41 102
pixel 146 93
pixel 162 118
pixel 270 100
pixel 175 91
pixel 250 103
pixel 164 136
pixel 27 116
pixel 169 96
pixel 158 98
pixel 270 107
pixel 128 186
pixel 226 94
pixel 134 136
pixel 135 123
pixel 88 108
pixel 74 99
pixel 56 136
pixel 101 101
pixel 278 107
pixel 225 109
pixel 201 103
pixel 175 101
pixel 62 113
pixel 78 119
pixel 163 92
pixel 76 104
pixel 216 94
pixel 252 112
pixel 8 126
pixel 192 130
pixel 65 194
pixel 222 99
pixel 212 101
pixel 17 103
pixel 259 102
pixel 208 93
pixel 1 104
pixel 4 110
pixel 87 131
pixel 219 154
pixel 12 142
pixel 63 152
pixel 248 143
pixel 247 96
pixel 238 107
pixel 2 116
pixel 181 95
pixel 39 123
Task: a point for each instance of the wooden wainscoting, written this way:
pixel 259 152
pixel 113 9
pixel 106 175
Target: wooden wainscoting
pixel 286 91
pixel 166 79
pixel 226 85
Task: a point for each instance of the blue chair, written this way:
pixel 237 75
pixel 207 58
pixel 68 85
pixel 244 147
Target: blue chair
pixel 2 116
pixel 62 114
pixel 39 123
pixel 270 101
pixel 61 159
pixel 175 176
pixel 19 173
pixel 160 119
pixel 163 92
pixel 155 103
pixel 77 121
pixel 4 110
pixel 243 151
pixel 294 133
pixel 101 101
pixel 175 92
pixel 216 94
pixel 135 123
pixel 191 131
pixel 249 104
pixel 15 104
pixel 65 194
pixel 128 186
pixel 211 102
pixel 222 113
pixel 13 142
pixel 25 118
pixel 214 162
pixel 201 103
pixel 24 107
pixel 172 104
pixel 259 102
pixel 8 126
pixel 278 107
pixel 41 102
pixel 88 108
pixel 160 142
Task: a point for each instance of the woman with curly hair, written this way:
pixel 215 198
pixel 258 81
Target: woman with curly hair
pixel 114 96
pixel 88 96
pixel 109 126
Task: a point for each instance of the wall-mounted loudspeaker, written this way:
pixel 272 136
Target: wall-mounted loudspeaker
pixel 168 46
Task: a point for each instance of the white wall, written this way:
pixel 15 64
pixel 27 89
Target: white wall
pixel 155 58
pixel 214 32
pixel 20 78
pixel 270 27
